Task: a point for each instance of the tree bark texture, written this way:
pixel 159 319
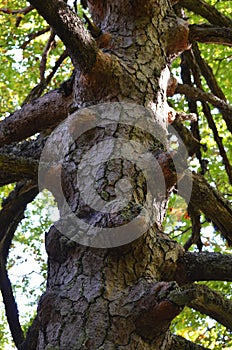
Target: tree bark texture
pixel 113 298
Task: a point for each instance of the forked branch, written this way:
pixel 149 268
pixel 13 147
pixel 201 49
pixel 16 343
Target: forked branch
pixel 80 45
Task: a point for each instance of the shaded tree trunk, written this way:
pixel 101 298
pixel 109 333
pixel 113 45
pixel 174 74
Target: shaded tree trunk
pixel 115 298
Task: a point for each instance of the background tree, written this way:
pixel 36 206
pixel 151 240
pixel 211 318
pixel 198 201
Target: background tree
pixel 124 297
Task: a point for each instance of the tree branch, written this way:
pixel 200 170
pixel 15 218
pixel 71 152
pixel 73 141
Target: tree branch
pixel 207 72
pixel 207 11
pixel 47 48
pixel 198 94
pixel 218 140
pixel 205 300
pixel 206 266
pixel 180 343
pixel 37 90
pixel 23 11
pixel 191 143
pixel 26 152
pixel 10 306
pixel 32 36
pixel 80 45
pixel 195 238
pixel 197 79
pixel 209 201
pixel 210 34
pixel 10 216
pixel 18 166
pixel 36 116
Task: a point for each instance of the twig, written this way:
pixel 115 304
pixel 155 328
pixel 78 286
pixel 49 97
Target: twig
pixel 42 66
pixel 207 72
pixel 195 238
pixel 23 11
pixel 32 36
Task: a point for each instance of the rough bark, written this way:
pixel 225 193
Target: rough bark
pixel 214 206
pixel 36 116
pixel 95 283
pixel 206 267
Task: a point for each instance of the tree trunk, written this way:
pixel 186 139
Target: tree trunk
pixel 116 298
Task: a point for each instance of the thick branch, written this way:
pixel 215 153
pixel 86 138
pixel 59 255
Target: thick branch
pixel 10 216
pixel 198 94
pixel 18 166
pixel 211 204
pixel 205 300
pixel 38 115
pixel 207 11
pixel 180 343
pixel 80 45
pixel 210 34
pixel 195 238
pixel 10 306
pixel 206 266
pixel 27 154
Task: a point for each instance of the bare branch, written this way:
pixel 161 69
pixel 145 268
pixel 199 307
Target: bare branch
pixel 206 266
pixel 19 166
pixel 209 201
pixel 205 300
pixel 20 13
pixel 26 152
pixel 197 79
pixel 42 66
pixel 23 11
pixel 198 94
pixel 38 115
pixel 180 343
pixel 37 90
pixel 10 216
pixel 80 45
pixel 207 72
pixel 32 36
pixel 191 143
pixel 207 11
pixel 192 104
pixel 195 238
pixel 218 140
pixel 210 34
pixel 10 306
pixel 57 64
